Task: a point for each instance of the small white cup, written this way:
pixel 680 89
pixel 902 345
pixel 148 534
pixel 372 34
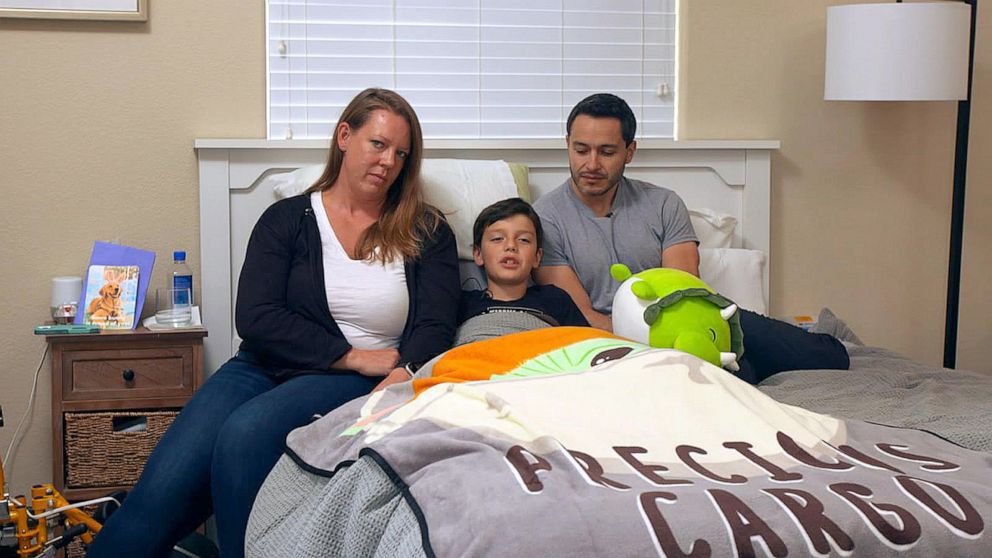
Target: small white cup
pixel 173 308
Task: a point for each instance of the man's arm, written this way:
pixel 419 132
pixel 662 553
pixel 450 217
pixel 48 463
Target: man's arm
pixel 563 277
pixel 684 256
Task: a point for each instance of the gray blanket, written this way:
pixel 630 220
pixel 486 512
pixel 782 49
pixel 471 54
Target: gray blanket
pixel 886 388
pixel 330 497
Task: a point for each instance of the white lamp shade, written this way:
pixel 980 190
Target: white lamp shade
pixel 897 52
pixel 66 289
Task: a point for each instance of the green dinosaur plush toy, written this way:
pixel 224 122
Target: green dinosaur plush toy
pixel 672 309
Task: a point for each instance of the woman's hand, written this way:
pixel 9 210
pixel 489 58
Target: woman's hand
pixel 369 362
pixel 397 376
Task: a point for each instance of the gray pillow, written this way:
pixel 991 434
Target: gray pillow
pixel 828 322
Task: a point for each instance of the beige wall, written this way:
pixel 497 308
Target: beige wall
pixel 103 115
pixel 860 191
pixel 97 121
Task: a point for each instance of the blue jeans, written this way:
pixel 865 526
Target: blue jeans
pixel 772 346
pixel 216 455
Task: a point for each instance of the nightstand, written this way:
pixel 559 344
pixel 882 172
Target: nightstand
pixel 113 395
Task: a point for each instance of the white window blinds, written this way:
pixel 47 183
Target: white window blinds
pixel 471 68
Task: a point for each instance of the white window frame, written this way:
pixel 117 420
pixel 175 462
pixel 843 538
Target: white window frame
pixel 671 89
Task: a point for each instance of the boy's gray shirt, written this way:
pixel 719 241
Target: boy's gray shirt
pixel 644 220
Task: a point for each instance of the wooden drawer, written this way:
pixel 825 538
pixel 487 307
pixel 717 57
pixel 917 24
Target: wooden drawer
pixel 127 373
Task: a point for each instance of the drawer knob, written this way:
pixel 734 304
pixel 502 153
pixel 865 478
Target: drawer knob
pixel 128 375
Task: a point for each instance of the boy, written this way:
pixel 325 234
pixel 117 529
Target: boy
pixel 506 243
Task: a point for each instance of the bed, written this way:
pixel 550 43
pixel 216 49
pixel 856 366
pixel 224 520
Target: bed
pixel 565 441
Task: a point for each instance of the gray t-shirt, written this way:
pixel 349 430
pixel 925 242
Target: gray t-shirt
pixel 645 219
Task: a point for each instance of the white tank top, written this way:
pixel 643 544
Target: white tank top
pixel 368 300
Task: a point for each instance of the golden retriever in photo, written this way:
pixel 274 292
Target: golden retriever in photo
pixel 108 308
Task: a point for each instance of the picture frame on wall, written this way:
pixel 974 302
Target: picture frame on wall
pixel 113 10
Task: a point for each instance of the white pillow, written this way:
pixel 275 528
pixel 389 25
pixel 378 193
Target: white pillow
pixel 460 188
pixel 714 230
pixel 737 274
pixel 289 184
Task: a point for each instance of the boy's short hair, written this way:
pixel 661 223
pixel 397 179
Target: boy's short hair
pixel 505 209
pixel 606 105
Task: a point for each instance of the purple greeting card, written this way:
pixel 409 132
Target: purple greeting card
pixel 105 253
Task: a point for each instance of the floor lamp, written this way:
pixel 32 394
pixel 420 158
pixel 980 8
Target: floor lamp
pixel 911 51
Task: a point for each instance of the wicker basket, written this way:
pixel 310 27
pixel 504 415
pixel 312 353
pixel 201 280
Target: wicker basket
pixel 75 548
pixel 98 456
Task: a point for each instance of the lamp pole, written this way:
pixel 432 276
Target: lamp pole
pixel 957 206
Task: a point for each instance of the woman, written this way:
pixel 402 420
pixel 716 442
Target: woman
pixel 345 288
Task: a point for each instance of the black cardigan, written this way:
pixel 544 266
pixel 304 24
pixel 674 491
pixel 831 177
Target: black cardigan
pixel 282 314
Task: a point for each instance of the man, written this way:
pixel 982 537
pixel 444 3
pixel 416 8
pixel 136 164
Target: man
pixel 599 217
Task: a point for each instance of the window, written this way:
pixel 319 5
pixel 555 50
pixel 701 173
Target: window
pixel 471 68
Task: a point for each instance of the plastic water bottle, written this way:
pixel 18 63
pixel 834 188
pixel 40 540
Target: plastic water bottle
pixel 182 278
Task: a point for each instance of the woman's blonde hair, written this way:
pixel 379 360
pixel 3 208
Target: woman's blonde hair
pixel 406 219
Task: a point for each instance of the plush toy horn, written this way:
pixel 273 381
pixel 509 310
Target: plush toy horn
pixel 729 361
pixel 729 311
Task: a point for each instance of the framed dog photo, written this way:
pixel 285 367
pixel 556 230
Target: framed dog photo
pixel 111 296
pixel 127 10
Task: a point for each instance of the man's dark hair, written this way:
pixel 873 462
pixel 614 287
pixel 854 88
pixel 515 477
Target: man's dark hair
pixel 505 209
pixel 606 105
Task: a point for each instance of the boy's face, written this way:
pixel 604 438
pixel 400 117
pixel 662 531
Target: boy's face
pixel 509 250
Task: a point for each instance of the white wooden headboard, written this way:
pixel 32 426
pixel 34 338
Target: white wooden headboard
pixel 732 177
